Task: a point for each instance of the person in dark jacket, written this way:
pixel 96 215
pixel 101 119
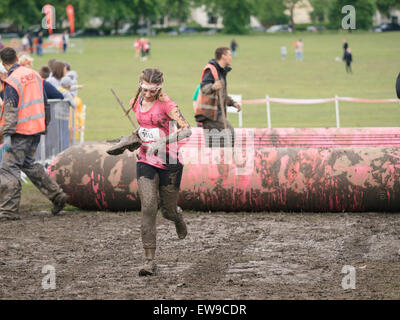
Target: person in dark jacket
pixel 348 58
pixel 51 91
pixel 209 86
pixel 234 45
pixel 30 42
pixel 398 86
pixel 39 46
pixel 345 47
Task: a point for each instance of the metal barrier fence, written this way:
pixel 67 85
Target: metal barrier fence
pixel 336 99
pixel 60 131
pixel 54 45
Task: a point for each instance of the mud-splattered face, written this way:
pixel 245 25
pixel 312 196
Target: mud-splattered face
pixel 149 90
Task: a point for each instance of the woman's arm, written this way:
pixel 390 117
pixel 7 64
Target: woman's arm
pixel 184 129
pixel 183 132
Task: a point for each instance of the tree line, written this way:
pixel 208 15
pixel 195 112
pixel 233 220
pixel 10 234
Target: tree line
pixel 235 13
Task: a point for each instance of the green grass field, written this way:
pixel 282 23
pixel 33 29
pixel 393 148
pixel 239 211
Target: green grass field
pixel 257 70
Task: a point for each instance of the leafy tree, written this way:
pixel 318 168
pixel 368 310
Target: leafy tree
pixel 365 9
pixel 22 13
pixel 177 9
pixel 291 5
pixel 320 10
pixel 385 6
pixel 115 11
pixel 271 12
pixel 235 13
pixel 149 10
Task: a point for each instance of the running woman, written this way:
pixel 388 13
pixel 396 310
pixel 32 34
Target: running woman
pixel 159 170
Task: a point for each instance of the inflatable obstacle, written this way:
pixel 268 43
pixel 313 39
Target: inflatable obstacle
pixel 311 170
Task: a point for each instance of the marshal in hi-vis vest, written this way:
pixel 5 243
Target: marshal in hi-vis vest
pixel 31 109
pixel 207 104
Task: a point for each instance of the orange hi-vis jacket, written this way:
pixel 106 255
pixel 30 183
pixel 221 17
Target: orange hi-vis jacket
pixel 31 109
pixel 207 105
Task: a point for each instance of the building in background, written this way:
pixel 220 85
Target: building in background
pixel 393 17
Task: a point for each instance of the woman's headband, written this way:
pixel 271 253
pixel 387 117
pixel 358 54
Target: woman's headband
pixel 150 87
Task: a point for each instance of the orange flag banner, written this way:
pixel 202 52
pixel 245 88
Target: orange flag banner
pixel 71 18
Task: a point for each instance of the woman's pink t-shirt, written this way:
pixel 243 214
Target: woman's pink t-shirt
pixel 155 124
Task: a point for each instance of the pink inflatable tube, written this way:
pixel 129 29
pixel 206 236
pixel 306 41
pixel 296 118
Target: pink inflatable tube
pixel 311 170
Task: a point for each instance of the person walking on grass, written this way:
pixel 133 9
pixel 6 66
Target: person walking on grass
pixel 348 58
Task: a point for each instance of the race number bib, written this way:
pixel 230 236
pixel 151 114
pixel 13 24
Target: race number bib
pixel 149 135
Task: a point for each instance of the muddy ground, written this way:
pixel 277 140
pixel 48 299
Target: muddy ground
pixel 96 255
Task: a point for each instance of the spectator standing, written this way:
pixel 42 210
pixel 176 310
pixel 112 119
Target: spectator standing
pixel 142 50
pixel 65 41
pixel 74 77
pixel 345 47
pixel 30 40
pixel 51 65
pixel 147 47
pixel 51 91
pixel 66 85
pixel 283 52
pixel 25 60
pixel 348 58
pixel 25 43
pixel 137 44
pixel 234 46
pixel 299 50
pixel 39 46
pixel 59 71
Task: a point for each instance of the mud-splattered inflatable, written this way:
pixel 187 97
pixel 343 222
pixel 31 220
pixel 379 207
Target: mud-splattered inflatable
pixel 311 170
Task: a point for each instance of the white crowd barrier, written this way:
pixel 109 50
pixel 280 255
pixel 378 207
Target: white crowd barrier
pixel 336 100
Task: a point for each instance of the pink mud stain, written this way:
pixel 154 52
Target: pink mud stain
pixel 133 186
pixel 51 170
pixel 95 186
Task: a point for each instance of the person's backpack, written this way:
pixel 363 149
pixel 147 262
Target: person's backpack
pixel 207 104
